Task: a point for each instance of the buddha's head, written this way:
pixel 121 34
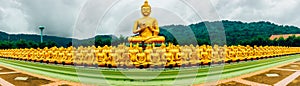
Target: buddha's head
pixel 146 9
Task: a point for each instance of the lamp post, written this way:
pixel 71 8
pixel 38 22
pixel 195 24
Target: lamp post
pixel 41 28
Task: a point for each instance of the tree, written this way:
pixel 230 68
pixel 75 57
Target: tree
pixel 69 44
pixel 21 44
pixel 51 44
pixel 281 41
pixel 42 45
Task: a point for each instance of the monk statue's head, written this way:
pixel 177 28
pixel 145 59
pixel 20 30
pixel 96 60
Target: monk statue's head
pixel 146 9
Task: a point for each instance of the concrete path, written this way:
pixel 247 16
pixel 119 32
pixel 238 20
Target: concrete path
pixel 7 73
pixel 250 83
pixel 287 80
pixel 5 83
pixel 283 82
pixel 56 82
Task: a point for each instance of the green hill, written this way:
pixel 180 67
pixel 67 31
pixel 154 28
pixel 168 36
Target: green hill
pixel 60 41
pixel 236 32
pixel 31 40
pixel 253 33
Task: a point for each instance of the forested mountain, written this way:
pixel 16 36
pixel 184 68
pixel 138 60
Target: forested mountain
pixel 33 41
pixel 60 41
pixel 236 33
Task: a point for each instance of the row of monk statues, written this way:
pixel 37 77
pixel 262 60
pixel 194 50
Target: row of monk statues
pixel 134 56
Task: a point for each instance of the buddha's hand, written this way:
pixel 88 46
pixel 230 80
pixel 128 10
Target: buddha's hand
pixel 143 26
pixel 152 28
pixel 148 26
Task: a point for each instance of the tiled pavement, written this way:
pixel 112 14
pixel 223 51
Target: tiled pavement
pixel 239 79
pixel 54 82
pixel 283 82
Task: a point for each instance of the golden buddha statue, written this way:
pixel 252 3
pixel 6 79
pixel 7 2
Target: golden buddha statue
pixel 89 57
pixel 106 50
pixel 147 28
pixel 179 59
pixel 215 55
pixel 194 59
pixel 174 50
pixel 169 58
pixel 223 54
pixel 111 59
pixel 120 50
pixel 148 52
pixel 154 61
pixel 78 56
pixel 55 57
pixel 205 59
pixel 47 55
pixel 60 57
pixel 100 56
pixel 125 62
pixel 178 55
pixel 141 59
pixel 35 55
pixel 233 54
pixel 42 55
pixel 69 58
pixel 133 53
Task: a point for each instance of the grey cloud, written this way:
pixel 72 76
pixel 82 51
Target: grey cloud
pixel 278 11
pixel 24 16
pixel 1 13
pixel 12 17
pixel 87 18
pixel 57 15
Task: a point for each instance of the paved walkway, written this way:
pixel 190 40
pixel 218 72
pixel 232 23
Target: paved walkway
pixel 7 72
pixel 56 82
pixel 287 80
pixel 240 79
pixel 5 83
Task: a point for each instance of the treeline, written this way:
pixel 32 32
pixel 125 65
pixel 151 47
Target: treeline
pixel 292 41
pixel 235 33
pixel 60 41
pixel 100 40
pixel 25 44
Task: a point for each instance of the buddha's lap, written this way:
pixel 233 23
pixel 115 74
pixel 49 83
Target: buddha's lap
pixel 156 38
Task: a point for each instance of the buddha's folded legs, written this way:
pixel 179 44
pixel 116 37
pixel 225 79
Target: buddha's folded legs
pixel 135 39
pixel 153 39
pixel 158 39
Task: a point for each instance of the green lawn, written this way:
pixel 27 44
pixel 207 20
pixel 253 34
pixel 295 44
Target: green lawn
pixel 102 76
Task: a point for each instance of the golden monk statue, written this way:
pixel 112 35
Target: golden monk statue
pixel 147 28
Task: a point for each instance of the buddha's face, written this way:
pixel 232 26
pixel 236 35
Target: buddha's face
pixel 146 11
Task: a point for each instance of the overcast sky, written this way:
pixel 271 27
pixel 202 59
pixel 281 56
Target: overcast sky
pixel 86 18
